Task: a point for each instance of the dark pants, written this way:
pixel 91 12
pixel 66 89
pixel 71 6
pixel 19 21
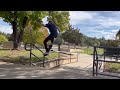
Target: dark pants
pixel 50 37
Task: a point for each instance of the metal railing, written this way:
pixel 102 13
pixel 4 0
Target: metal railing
pixel 108 52
pixel 31 53
pixel 47 63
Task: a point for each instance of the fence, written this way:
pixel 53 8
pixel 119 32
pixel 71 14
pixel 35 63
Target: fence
pixel 109 56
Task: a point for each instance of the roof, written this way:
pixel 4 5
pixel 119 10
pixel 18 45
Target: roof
pixel 118 33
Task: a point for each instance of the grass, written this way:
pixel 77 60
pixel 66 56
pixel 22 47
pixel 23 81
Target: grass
pixel 112 67
pixel 90 51
pixel 14 55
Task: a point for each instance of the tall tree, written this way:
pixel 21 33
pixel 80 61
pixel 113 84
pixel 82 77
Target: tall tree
pixel 72 36
pixel 60 18
pixel 19 20
pixel 59 41
pixel 35 36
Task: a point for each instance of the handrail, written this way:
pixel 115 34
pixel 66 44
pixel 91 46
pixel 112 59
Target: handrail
pixel 35 56
pixel 37 48
pixel 32 45
pixel 43 61
pixel 26 47
pixel 32 53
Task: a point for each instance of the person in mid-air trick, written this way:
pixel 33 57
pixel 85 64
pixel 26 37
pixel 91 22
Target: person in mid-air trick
pixel 53 34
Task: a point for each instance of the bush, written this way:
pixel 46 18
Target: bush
pixel 3 39
pixel 112 51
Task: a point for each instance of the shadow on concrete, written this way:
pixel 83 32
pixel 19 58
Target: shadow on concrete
pixel 16 71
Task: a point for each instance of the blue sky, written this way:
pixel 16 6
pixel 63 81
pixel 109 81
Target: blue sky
pixel 91 23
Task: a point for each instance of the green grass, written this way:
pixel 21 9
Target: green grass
pixel 87 51
pixel 90 51
pixel 112 67
pixel 14 55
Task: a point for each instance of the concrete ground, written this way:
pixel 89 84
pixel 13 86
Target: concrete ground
pixel 79 70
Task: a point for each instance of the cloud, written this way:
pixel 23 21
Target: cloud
pixel 109 22
pixel 76 17
pixel 90 23
pixel 115 31
pixel 97 23
pixel 104 19
pixel 5 29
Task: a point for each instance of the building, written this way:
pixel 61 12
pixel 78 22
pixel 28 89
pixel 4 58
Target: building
pixel 118 35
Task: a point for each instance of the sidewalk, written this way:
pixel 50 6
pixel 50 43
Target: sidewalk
pixel 78 70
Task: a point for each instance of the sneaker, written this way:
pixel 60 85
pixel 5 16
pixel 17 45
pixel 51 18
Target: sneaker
pixel 50 46
pixel 46 53
pixel 51 50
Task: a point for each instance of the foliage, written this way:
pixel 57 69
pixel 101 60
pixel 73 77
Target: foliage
pixel 7 35
pixel 58 41
pixel 20 19
pixel 60 18
pixel 35 36
pixel 3 39
pixel 72 36
pixel 34 17
pixel 112 43
pixel 102 41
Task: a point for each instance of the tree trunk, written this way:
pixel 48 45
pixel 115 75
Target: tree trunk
pixel 58 47
pixel 19 39
pixel 74 46
pixel 20 36
pixel 14 25
pixel 68 46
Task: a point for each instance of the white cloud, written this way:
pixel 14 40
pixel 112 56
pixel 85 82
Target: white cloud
pixel 92 17
pixel 97 23
pixel 108 22
pixel 102 33
pixel 5 29
pixel 115 31
pixel 91 22
pixel 76 17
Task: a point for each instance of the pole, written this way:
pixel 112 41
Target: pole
pixel 30 54
pixel 70 57
pixel 44 61
pixel 77 57
pixel 94 60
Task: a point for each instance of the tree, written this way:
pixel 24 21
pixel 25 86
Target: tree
pixel 112 43
pixel 19 20
pixel 60 18
pixel 59 41
pixel 3 39
pixel 72 36
pixel 102 41
pixel 35 36
pixel 7 35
